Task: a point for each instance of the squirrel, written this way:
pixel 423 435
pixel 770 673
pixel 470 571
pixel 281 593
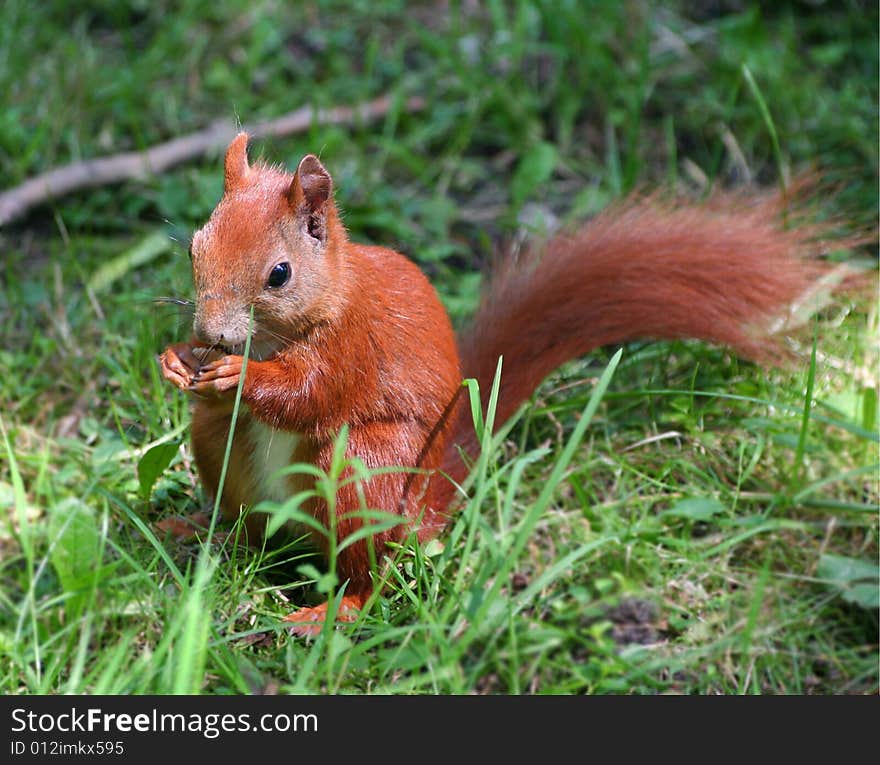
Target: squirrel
pixel 346 334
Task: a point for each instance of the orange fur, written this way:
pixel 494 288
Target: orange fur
pixel 356 335
pixel 723 272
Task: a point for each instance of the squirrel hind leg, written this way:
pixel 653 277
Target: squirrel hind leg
pixel 308 622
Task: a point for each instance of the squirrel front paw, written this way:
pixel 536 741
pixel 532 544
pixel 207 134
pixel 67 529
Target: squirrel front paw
pixel 217 377
pixel 179 365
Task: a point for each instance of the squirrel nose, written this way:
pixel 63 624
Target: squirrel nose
pixel 205 331
pixel 213 329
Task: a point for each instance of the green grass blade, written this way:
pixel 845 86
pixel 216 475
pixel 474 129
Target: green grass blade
pixel 538 508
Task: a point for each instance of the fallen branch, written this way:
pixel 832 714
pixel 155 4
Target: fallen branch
pixel 135 165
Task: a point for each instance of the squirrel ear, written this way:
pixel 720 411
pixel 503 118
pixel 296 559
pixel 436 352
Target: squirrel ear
pixel 312 184
pixel 311 188
pixel 236 166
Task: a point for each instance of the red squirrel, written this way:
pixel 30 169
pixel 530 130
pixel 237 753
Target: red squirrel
pixel 351 334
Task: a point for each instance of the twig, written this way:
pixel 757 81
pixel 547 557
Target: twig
pixel 134 165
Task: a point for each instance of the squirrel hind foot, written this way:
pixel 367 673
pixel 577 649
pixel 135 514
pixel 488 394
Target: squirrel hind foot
pixel 308 622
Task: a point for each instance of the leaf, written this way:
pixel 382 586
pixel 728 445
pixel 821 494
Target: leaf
pixel 370 530
pixel 153 464
pixel 842 570
pixel 75 553
pixel 473 388
pixel 858 581
pixel 184 528
pixel 433 548
pixel 327 583
pixel 309 571
pixel 869 409
pixel 147 249
pixel 694 509
pixel 340 446
pixel 324 582
pixel 280 514
pixel 864 594
pixel 536 166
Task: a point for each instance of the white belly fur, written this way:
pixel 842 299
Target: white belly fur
pixel 273 451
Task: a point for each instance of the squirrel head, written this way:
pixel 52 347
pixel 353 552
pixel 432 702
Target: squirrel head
pixel 274 243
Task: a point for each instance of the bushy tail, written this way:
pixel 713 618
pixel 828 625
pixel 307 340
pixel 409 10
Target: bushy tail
pixel 727 271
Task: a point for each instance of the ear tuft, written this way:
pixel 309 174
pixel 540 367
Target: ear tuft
pixel 236 168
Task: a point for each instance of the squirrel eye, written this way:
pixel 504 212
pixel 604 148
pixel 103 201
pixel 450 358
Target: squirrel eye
pixel 279 275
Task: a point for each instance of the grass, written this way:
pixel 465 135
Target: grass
pixel 711 528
